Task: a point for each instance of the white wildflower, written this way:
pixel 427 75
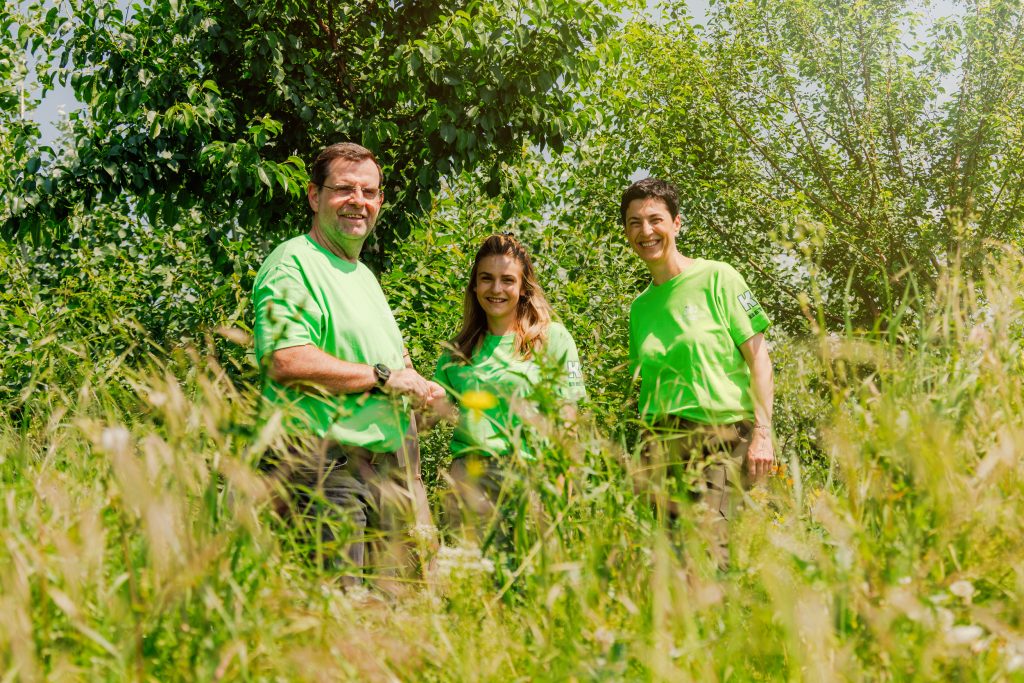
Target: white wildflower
pixel 604 637
pixel 462 561
pixel 115 440
pixel 964 634
pixel 423 533
pixel 962 589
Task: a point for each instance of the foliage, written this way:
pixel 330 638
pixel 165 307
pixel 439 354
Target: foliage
pixel 227 100
pixel 17 131
pixel 136 536
pixel 844 145
pixel 111 292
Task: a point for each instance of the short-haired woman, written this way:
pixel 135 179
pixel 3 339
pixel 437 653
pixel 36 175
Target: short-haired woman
pixel 696 344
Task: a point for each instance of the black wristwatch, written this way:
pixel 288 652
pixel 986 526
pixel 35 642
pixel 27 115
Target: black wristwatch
pixel 383 373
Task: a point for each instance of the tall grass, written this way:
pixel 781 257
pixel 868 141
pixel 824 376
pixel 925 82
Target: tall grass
pixel 138 541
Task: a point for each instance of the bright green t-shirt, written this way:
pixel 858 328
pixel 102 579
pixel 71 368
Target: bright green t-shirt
pixel 304 294
pixel 684 338
pixel 496 369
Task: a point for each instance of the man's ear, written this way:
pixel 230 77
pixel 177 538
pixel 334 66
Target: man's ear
pixel 313 195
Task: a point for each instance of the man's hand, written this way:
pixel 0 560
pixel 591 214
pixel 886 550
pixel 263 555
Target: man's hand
pixel 408 382
pixel 761 454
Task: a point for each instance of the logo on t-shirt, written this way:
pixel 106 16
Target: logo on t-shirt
pixel 747 301
pixel 572 368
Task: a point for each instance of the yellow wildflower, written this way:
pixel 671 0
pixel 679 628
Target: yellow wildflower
pixel 479 401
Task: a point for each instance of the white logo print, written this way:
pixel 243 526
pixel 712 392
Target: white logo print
pixel 747 300
pixel 572 367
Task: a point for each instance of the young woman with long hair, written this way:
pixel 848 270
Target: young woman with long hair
pixel 494 362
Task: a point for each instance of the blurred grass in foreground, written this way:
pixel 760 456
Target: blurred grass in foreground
pixel 137 543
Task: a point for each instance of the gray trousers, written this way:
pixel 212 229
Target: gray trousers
pixel 362 494
pixel 704 463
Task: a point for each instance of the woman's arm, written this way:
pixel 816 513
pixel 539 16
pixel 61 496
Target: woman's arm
pixel 761 455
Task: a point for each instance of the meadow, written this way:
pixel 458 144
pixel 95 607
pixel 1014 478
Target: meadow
pixel 860 164
pixel 139 543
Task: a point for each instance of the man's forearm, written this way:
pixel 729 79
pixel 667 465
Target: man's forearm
pixel 311 366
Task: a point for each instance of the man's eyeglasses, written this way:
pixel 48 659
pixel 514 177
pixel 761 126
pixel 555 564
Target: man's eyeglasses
pixel 370 194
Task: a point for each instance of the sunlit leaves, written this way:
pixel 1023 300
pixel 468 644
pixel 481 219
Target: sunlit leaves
pixel 181 97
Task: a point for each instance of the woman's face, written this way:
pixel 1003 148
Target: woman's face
pixel 499 284
pixel 651 230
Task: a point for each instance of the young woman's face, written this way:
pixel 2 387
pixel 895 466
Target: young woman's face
pixel 651 230
pixel 499 284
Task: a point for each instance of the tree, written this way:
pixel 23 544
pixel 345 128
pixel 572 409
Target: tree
pixel 846 110
pixel 218 104
pixel 856 148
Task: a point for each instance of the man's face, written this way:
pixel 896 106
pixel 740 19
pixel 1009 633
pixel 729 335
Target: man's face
pixel 345 214
pixel 651 229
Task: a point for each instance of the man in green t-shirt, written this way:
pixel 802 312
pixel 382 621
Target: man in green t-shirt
pixel 334 360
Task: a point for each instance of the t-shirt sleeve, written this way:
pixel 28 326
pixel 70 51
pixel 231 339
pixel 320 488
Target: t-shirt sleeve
pixel 441 375
pixel 562 349
pixel 286 315
pixel 743 315
pixel 634 349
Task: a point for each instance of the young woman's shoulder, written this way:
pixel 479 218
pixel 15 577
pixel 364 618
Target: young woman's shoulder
pixel 558 330
pixel 559 339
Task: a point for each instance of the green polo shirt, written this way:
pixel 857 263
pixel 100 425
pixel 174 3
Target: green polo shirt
pixel 497 370
pixel 684 338
pixel 304 294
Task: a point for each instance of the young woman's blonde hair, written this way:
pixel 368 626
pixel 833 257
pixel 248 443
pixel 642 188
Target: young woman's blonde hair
pixel 533 314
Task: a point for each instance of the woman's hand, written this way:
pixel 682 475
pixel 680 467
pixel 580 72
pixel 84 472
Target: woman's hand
pixel 438 408
pixel 761 454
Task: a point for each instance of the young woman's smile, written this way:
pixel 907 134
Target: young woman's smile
pixel 651 230
pixel 499 285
